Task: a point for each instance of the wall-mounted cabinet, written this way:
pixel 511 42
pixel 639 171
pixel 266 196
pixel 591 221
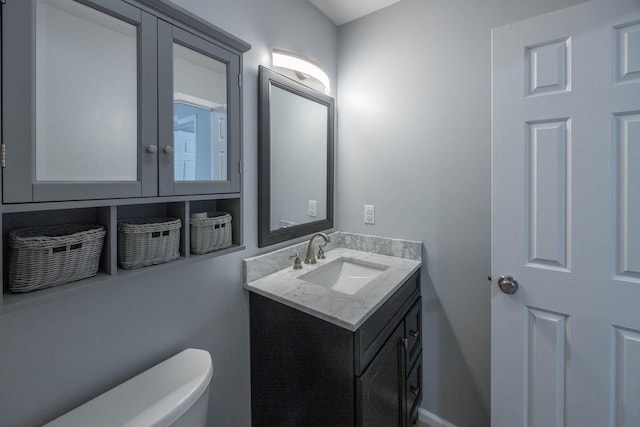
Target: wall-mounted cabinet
pixel 105 99
pixel 113 110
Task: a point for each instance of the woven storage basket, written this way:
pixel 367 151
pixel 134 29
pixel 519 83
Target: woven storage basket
pixel 211 233
pixel 148 241
pixel 48 256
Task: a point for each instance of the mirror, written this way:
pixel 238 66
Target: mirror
pixel 86 94
pixel 295 159
pixel 199 116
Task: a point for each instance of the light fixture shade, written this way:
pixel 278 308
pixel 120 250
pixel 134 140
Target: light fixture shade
pixel 288 60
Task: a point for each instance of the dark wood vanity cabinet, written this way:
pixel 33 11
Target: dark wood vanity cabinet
pixel 307 371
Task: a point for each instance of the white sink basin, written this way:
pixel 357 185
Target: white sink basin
pixel 345 275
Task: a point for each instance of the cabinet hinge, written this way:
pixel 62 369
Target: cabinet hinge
pixel 3 152
pixel 240 167
pixel 240 80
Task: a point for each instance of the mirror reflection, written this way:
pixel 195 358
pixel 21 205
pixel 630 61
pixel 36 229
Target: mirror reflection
pixel 295 159
pixel 199 122
pixel 82 56
pixel 298 159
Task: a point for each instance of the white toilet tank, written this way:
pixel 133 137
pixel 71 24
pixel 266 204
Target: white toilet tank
pixel 172 393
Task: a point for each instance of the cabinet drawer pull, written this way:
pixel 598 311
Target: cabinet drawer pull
pixel 414 334
pixel 414 390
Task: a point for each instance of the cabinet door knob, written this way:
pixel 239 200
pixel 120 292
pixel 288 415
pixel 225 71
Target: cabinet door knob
pixel 414 334
pixel 152 149
pixel 168 150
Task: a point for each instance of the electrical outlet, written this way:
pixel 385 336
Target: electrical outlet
pixel 369 214
pixel 312 208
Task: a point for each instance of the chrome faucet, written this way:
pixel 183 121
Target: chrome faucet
pixel 310 258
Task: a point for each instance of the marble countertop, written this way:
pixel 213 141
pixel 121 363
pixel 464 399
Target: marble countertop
pixel 347 311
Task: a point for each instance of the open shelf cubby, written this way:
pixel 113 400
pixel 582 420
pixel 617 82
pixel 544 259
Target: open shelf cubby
pixel 108 215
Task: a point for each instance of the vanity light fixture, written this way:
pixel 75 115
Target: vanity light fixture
pixel 303 67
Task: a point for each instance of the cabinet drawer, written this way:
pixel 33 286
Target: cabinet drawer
pixel 414 389
pixel 412 332
pixel 371 336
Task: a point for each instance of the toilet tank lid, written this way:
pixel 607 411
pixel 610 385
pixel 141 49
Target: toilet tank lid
pixel 156 397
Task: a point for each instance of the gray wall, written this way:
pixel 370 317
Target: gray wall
pixel 55 356
pixel 414 139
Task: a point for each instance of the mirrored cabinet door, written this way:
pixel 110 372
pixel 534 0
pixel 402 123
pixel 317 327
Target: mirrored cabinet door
pixel 80 103
pixel 198 114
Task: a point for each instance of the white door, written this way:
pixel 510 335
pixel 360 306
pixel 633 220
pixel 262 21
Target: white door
pixel 185 156
pixel 566 218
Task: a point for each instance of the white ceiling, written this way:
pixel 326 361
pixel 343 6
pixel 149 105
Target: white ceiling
pixel 343 11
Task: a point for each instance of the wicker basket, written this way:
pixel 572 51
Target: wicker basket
pixel 211 233
pixel 49 256
pixel 148 241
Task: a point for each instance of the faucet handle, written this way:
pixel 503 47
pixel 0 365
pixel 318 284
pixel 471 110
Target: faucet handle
pixel 321 251
pixel 297 264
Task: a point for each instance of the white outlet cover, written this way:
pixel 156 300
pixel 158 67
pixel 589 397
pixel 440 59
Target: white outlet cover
pixel 369 214
pixel 312 208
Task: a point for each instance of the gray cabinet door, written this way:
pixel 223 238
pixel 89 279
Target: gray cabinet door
pixel 79 100
pixel 198 114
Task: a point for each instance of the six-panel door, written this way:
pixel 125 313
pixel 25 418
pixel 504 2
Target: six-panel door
pixel 566 218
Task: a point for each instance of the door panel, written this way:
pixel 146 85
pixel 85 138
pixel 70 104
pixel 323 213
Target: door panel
pixel 627 52
pixel 566 217
pixel 626 368
pixel 627 205
pixel 546 367
pixel 547 159
pixel 547 66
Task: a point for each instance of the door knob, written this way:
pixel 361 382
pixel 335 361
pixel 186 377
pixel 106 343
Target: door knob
pixel 508 285
pixel 152 149
pixel 168 150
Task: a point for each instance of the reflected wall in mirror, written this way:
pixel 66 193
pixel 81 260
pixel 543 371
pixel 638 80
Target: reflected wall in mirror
pixel 295 153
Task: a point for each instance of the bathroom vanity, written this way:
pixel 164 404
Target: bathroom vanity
pixel 328 352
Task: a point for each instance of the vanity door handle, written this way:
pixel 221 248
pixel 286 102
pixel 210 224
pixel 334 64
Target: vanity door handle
pixel 414 334
pixel 414 390
pixel 405 343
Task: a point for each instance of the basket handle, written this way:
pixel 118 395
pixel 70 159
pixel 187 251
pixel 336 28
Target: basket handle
pixel 155 234
pixel 65 248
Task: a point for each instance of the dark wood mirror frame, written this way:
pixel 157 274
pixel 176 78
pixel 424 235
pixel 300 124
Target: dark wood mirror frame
pixel 266 237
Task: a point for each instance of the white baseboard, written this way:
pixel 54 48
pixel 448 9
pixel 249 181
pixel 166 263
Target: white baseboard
pixel 432 419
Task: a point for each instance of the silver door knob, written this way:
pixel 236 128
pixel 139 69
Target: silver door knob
pixel 152 149
pixel 508 285
pixel 168 150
